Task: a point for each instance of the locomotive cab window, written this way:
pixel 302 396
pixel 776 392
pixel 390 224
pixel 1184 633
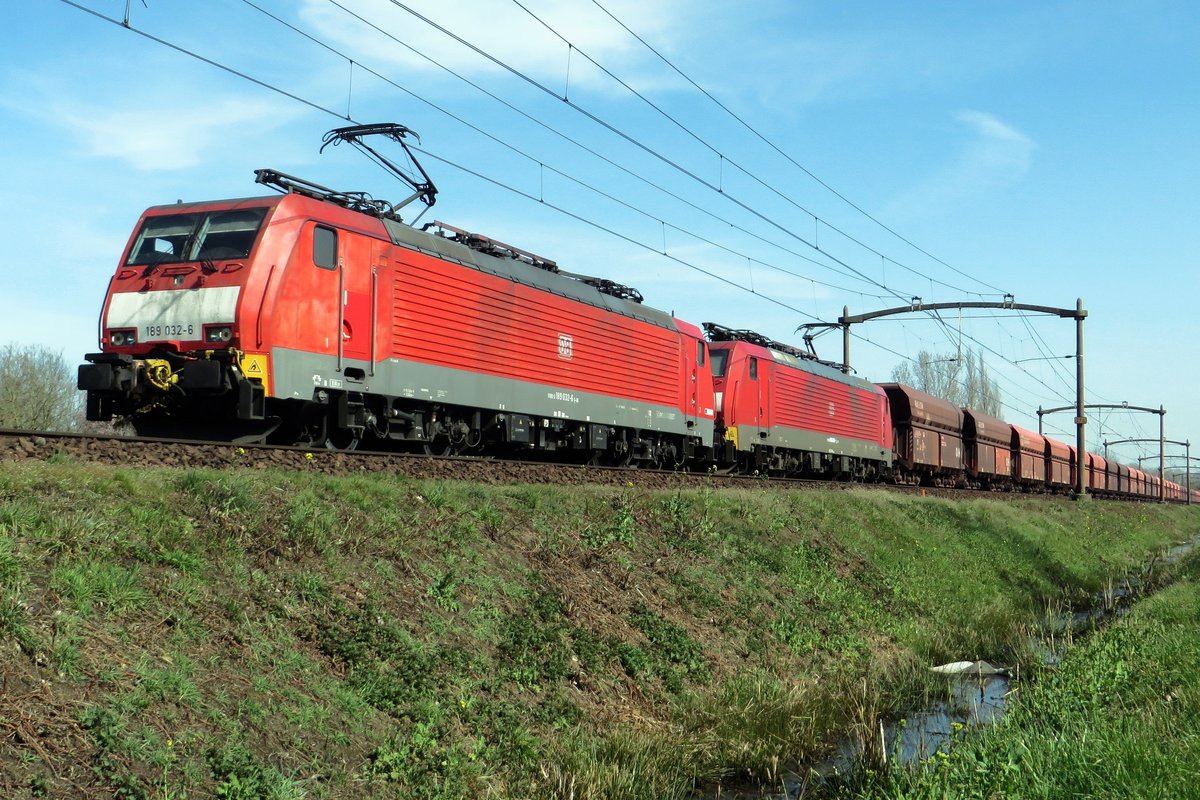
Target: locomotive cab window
pixel 753 368
pixel 700 354
pixel 198 236
pixel 228 235
pixel 325 247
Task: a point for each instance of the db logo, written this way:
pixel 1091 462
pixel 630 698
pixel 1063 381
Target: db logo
pixel 566 346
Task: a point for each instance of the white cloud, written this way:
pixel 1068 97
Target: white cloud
pixel 169 132
pixel 993 155
pixel 156 123
pixel 999 151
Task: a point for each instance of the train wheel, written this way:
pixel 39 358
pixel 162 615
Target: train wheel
pixel 333 437
pixel 340 439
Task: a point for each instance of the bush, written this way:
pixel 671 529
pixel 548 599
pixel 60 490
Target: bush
pixel 37 390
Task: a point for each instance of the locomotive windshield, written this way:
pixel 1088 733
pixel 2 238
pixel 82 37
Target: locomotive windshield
pixel 200 235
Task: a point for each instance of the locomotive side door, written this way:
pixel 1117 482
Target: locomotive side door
pixel 693 362
pixel 357 279
pixel 760 381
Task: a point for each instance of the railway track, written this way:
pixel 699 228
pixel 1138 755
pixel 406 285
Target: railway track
pixel 16 445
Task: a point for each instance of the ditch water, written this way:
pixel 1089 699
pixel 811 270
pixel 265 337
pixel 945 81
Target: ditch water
pixel 977 694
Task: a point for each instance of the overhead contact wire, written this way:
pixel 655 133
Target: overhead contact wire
pixel 693 135
pixel 789 158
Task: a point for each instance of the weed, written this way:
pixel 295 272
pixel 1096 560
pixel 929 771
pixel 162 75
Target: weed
pixel 429 763
pixel 797 632
pixel 92 583
pixel 443 591
pixel 172 683
pixel 223 495
pixel 493 520
pixel 675 656
pixel 66 646
pixel 311 587
pixel 11 570
pixel 474 642
pixel 437 496
pixel 110 735
pixel 634 660
pixel 688 518
pixel 39 785
pixel 14 622
pixel 535 643
pixel 239 775
pixel 311 523
pixel 619 528
pixel 187 562
pixel 387 666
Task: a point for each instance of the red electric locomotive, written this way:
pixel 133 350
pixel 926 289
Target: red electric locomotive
pixel 317 317
pixel 780 411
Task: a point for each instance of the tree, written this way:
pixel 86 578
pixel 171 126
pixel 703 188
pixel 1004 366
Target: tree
pixel 962 379
pixel 37 390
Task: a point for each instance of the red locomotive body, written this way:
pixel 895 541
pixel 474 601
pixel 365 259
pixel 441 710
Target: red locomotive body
pixel 781 412
pixel 300 319
pixel 928 435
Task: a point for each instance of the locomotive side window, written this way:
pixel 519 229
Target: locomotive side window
pixel 753 369
pixel 325 247
pixel 700 354
pixel 720 358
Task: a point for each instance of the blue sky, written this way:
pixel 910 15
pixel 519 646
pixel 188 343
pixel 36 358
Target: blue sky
pixel 1041 148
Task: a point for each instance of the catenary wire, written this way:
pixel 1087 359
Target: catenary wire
pixel 724 158
pixel 786 156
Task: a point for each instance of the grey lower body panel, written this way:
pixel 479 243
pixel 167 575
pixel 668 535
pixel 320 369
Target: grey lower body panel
pixel 813 442
pixel 298 374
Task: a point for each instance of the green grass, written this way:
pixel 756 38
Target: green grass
pixel 1119 718
pixel 265 634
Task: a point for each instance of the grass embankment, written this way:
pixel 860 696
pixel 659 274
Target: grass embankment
pixel 1120 718
pixel 174 634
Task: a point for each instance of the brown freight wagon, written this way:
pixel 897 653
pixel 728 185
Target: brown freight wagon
pixel 1124 478
pixel 1058 465
pixel 1097 474
pixel 928 437
pixel 987 445
pixel 1029 459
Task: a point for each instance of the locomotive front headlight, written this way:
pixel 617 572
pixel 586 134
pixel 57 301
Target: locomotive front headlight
pixel 219 334
pixel 123 338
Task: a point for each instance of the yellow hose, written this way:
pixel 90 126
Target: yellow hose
pixel 158 372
